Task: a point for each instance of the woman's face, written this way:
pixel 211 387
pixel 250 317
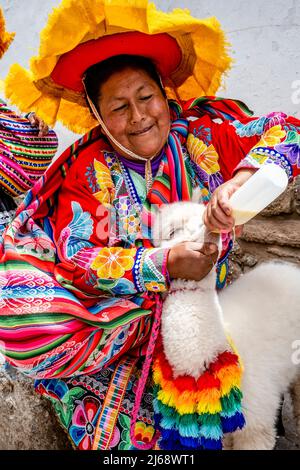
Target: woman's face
pixel 135 112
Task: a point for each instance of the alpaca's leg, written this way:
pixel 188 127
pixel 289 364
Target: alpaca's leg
pixel 228 442
pixel 254 438
pixel 295 394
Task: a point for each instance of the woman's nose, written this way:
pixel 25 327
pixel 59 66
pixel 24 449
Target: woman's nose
pixel 137 113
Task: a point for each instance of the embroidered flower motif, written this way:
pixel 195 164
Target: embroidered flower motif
pixel 203 133
pixel 254 127
pixel 204 156
pixel 275 119
pixel 90 175
pixel 291 148
pixel 54 388
pixel 271 137
pixel 123 206
pixel 76 235
pixel 84 421
pixel 119 286
pixel 211 182
pixel 131 224
pixel 143 433
pixel 35 243
pixel 105 183
pixel 115 438
pixel 155 286
pixel 113 262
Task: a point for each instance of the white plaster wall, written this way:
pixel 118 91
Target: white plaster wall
pixel 265 38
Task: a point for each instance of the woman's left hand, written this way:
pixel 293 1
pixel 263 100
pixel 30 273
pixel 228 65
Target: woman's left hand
pixel 35 121
pixel 218 213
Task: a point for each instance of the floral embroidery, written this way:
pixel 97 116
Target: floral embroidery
pixel 119 287
pixel 75 236
pixel 152 267
pixel 206 160
pixel 204 156
pixel 37 244
pixel 254 127
pixel 143 433
pixel 261 155
pixel 203 133
pixel 113 262
pixel 84 421
pixel 275 119
pixel 132 225
pixel 291 148
pixel 55 389
pixel 155 286
pixel 115 438
pixel 91 178
pixel 105 183
pixel 272 137
pixel 61 396
pixel 5 218
pixel 123 206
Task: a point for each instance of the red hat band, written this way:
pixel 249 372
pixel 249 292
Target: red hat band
pixel 161 48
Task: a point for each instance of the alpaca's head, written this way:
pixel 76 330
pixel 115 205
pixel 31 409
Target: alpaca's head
pixel 181 222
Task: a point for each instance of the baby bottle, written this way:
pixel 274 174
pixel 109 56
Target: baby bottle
pixel 265 185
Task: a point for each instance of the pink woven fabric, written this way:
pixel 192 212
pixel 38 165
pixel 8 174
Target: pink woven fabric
pixel 144 376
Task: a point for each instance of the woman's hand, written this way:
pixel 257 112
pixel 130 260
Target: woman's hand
pixel 190 260
pixel 35 121
pixel 218 213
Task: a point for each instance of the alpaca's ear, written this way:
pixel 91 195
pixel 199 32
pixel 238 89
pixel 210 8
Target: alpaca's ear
pixel 197 195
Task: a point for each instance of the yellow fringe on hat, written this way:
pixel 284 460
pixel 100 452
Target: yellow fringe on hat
pixel 5 37
pixel 76 21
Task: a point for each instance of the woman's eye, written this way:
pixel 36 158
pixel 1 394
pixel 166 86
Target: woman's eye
pixel 120 108
pixel 144 98
pixel 172 233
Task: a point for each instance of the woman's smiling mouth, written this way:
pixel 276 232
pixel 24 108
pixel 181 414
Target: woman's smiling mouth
pixel 142 131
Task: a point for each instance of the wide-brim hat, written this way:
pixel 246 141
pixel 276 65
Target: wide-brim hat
pixel 189 53
pixel 5 37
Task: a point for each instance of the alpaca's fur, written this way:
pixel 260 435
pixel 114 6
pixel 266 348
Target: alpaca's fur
pixel 261 313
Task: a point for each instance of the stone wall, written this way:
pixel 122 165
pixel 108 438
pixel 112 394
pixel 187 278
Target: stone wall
pixel 27 420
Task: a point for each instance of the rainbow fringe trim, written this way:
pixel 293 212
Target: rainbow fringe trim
pixel 195 414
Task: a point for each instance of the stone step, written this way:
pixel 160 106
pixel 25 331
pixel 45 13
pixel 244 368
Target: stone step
pixel 273 232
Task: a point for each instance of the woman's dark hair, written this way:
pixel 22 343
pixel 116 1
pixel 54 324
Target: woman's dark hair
pixel 98 73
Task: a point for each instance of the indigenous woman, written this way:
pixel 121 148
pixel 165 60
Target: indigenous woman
pixel 80 246
pixel 26 148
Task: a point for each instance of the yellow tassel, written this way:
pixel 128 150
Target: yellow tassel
pixel 5 37
pixel 229 377
pixel 209 401
pixel 75 117
pixel 167 398
pixel 17 81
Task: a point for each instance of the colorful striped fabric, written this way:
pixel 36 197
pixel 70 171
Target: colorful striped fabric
pixel 24 156
pixel 112 403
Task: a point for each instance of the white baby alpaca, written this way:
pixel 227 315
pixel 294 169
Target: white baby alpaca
pixel 260 312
